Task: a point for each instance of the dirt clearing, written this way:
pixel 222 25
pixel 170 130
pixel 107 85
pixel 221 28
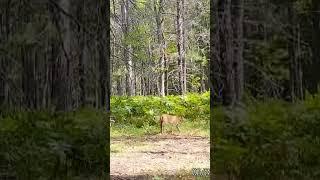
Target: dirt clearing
pixel 162 155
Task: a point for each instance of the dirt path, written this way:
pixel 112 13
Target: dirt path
pixel 158 155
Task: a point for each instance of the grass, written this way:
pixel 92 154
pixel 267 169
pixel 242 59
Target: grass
pixel 182 174
pixel 187 128
pixel 169 177
pixel 122 146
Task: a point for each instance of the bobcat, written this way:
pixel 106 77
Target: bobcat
pixel 170 119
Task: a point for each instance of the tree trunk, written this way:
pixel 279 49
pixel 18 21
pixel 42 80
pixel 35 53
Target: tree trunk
pixel 127 49
pixel 82 57
pixel 296 91
pixel 166 74
pixel 106 19
pixel 237 15
pixel 312 75
pixel 61 70
pixel 28 78
pixel 229 40
pixel 226 51
pixel 181 46
pixel 159 10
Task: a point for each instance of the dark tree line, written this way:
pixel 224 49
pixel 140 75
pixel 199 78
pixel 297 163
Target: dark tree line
pixel 54 54
pixel 264 49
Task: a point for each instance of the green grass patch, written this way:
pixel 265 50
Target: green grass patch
pixel 196 128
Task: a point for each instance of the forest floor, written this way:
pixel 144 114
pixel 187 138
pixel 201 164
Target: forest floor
pixel 160 155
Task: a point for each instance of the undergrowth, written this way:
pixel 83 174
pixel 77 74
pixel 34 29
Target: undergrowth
pixel 268 140
pixel 139 115
pixel 265 140
pixel 48 145
pixel 44 145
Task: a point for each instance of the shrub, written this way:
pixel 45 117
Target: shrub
pixel 43 145
pixel 270 140
pixel 138 109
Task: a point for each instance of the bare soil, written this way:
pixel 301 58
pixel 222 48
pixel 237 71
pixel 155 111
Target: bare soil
pixel 158 155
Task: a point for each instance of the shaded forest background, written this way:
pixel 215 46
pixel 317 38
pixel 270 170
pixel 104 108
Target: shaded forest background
pixel 55 56
pixel 54 61
pixel 264 72
pixel 51 50
pixel 265 49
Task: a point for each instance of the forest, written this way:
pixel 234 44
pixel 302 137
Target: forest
pixel 264 57
pixel 84 83
pixel 162 46
pixel 159 65
pixel 54 96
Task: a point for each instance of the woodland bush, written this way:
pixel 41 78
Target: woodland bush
pixel 128 110
pixel 44 145
pixel 272 140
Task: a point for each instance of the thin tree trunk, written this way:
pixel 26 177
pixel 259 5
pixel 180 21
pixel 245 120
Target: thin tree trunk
pixel 5 33
pixel 159 10
pixel 166 74
pixel 104 55
pixel 184 64
pixel 300 92
pixel 127 49
pixel 181 46
pixel 238 49
pixel 149 88
pixel 295 64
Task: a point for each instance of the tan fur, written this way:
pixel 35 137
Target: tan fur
pixel 170 119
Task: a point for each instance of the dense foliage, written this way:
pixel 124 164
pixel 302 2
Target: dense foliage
pixel 269 140
pixel 139 115
pixel 43 145
pixel 191 106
